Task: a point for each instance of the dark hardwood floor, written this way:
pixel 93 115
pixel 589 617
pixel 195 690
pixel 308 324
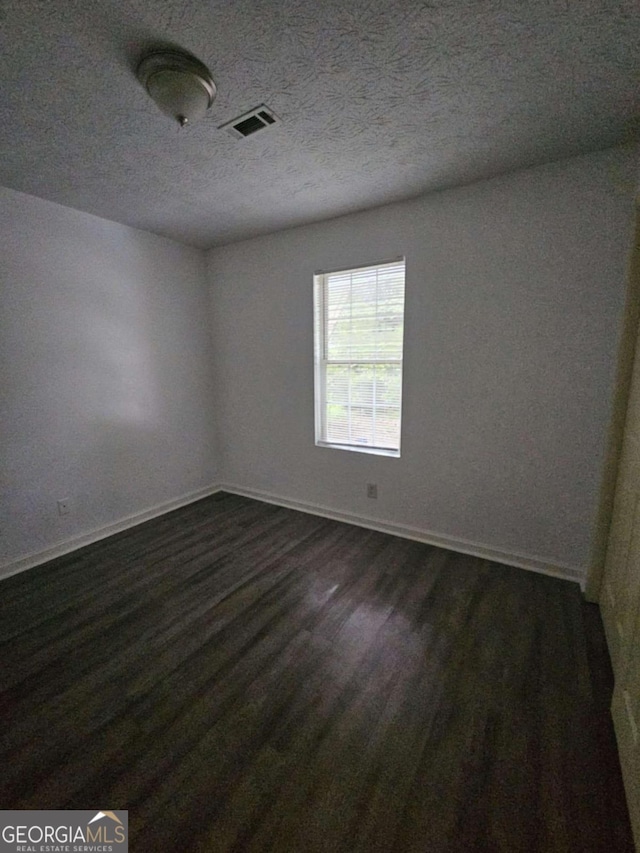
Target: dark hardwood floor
pixel 242 677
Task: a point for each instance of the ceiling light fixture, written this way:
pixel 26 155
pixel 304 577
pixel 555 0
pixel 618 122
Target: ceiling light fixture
pixel 179 84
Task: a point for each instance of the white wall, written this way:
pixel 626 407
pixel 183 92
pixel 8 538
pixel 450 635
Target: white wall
pixel 513 306
pixel 106 373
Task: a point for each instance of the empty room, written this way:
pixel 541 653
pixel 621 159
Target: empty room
pixel 320 427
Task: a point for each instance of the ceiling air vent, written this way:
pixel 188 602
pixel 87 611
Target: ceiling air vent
pixel 251 122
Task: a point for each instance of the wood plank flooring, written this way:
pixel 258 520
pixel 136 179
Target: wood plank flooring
pixel 243 677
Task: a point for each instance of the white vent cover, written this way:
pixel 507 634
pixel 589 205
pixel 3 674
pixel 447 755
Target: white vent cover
pixel 249 123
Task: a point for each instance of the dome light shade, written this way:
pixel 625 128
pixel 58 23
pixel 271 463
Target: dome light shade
pixel 181 86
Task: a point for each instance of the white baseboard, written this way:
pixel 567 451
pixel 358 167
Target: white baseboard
pixel 464 546
pixel 519 560
pixel 76 542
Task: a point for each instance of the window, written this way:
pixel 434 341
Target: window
pixel 359 325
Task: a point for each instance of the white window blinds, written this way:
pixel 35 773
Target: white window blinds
pixel 359 323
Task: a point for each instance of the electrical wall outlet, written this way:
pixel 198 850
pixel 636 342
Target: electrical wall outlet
pixel 64 506
pixel 372 490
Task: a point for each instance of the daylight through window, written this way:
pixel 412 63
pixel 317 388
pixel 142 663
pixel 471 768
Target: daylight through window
pixel 359 325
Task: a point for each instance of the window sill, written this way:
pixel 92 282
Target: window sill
pixel 372 451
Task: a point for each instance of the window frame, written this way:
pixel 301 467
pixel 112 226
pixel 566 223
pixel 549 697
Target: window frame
pixel 321 362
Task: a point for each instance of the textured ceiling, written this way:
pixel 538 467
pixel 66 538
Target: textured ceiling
pixel 379 100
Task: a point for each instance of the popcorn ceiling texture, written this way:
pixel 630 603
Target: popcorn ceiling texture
pixel 379 101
